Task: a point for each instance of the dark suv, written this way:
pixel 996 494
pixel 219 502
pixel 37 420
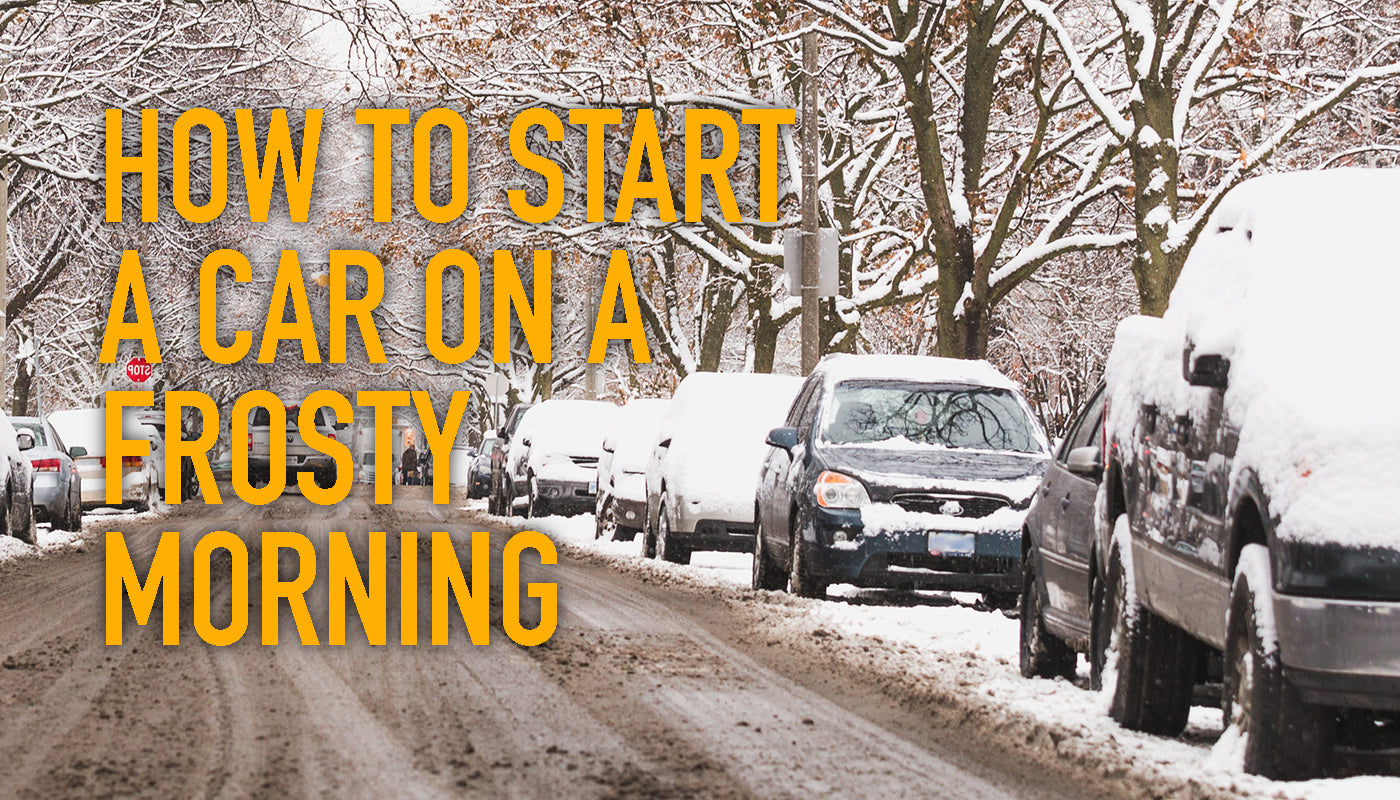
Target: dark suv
pixel 1253 451
pixel 899 472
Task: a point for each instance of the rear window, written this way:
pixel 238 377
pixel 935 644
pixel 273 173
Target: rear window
pixel 262 419
pixel 35 431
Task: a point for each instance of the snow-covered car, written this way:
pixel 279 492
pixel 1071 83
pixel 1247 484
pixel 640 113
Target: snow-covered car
pixel 502 497
pixel 622 469
pixel 141 476
pixel 16 507
pixel 554 456
pixel 1253 455
pixel 1059 567
pixel 703 471
pixel 900 472
pixel 55 490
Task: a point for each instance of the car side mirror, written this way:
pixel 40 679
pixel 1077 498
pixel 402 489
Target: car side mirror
pixel 786 438
pixel 664 443
pixel 525 442
pixel 25 441
pixel 77 452
pixel 608 446
pixel 1085 461
pixel 1209 369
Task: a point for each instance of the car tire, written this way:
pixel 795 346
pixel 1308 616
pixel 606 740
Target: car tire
pixel 22 523
pixel 1150 664
pixel 801 581
pixel 766 576
pixel 535 506
pixel 1100 629
pixel 1043 654
pixel 667 548
pixel 601 515
pixel 73 520
pixel 1285 737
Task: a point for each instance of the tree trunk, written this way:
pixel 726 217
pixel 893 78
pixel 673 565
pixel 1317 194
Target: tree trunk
pixel 716 311
pixel 24 379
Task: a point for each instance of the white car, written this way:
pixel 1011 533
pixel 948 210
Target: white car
pixel 300 457
pixel 554 460
pixel 622 469
pixel 141 477
pixel 702 477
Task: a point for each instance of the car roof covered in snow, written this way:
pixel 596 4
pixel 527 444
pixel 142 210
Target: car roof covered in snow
pixel 921 369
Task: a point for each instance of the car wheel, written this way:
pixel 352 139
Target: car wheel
pixel 801 581
pixel 766 576
pixel 600 515
pixel 667 548
pixel 1100 629
pixel 22 523
pixel 1150 664
pixel 1285 738
pixel 1043 655
pixel 534 504
pixel 74 518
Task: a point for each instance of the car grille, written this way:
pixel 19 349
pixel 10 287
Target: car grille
pixel 585 461
pixel 972 506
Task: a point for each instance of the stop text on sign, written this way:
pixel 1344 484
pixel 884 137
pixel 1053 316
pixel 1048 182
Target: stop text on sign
pixel 138 370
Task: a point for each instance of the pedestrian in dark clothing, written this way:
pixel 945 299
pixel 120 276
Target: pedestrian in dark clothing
pixel 410 465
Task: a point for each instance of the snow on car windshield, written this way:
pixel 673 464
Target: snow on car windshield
pixel 901 413
pixel 568 427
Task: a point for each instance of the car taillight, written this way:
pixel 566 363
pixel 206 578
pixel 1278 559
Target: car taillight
pixel 250 441
pixel 102 462
pixel 45 464
pixel 330 436
pixel 131 461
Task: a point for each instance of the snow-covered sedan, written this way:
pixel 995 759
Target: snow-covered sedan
pixel 622 484
pixel 905 472
pixel 703 469
pixel 554 458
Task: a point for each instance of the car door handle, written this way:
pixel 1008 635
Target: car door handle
pixel 1045 491
pixel 1065 502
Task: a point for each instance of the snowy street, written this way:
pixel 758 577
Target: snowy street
pixel 661 681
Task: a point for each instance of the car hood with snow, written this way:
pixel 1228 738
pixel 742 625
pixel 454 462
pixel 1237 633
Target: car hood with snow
pixel 1014 476
pixel 1293 281
pixel 717 427
pixel 562 439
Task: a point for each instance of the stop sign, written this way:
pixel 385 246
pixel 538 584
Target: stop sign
pixel 138 369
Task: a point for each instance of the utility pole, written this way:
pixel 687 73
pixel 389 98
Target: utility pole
pixel 592 373
pixel 811 309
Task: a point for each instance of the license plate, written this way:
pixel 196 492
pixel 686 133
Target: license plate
pixel 952 544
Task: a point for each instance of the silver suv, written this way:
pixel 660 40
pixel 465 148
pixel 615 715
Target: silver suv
pixel 300 456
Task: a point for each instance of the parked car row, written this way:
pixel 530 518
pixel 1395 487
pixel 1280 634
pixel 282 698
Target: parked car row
pixel 1217 511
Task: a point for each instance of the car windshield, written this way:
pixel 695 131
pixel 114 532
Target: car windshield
pixel 962 417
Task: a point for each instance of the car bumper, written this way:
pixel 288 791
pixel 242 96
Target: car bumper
pixel 479 486
pixel 1342 653
pixel 973 562
pixel 570 497
pixel 46 494
pixel 630 513
pixel 93 489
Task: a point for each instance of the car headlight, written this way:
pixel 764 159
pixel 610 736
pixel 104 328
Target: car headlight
pixel 1337 571
pixel 834 490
